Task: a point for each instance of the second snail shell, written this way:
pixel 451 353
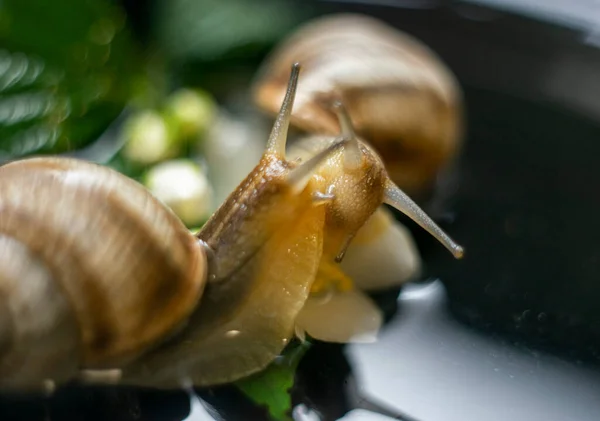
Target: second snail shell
pixel 400 96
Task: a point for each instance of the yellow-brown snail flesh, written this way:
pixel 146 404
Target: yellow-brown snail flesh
pixel 400 96
pixel 114 280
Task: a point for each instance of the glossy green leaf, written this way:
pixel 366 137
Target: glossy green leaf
pixel 209 29
pixel 66 71
pixel 271 388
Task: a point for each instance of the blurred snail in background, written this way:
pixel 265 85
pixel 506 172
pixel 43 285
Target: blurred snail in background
pixel 400 96
pixel 101 282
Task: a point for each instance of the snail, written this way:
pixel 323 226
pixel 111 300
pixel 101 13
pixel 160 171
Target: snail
pixel 95 270
pixel 401 97
pixel 101 282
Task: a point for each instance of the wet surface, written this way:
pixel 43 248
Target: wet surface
pixel 434 368
pixel 524 209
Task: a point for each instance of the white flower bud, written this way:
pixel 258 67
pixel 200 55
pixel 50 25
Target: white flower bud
pixel 147 138
pixel 182 185
pixel 191 110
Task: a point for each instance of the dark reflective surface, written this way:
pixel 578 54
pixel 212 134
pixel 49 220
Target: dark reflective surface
pixel 435 368
pixel 101 404
pixel 525 209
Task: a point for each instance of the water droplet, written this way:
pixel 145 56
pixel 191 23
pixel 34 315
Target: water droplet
pixel 488 288
pixel 232 333
pixel 134 410
pixel 542 317
pixel 304 413
pixel 49 386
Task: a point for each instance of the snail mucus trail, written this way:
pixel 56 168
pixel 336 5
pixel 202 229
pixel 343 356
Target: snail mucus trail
pixel 264 246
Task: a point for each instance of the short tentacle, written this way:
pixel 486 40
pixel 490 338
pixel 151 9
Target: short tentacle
pixel 340 256
pixel 352 154
pixel 299 177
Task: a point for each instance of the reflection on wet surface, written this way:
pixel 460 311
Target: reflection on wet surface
pixel 431 367
pixel 436 369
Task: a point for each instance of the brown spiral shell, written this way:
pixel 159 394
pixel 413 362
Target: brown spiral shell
pixel 95 270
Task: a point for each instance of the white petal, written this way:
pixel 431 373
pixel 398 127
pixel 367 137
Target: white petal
pixel 383 254
pixel 345 317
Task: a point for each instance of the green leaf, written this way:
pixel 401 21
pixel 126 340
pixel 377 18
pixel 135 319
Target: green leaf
pixel 271 387
pixel 66 71
pixel 208 29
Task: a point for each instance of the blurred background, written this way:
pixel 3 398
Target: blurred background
pixel 512 332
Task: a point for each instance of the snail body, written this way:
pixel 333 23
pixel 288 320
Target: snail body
pixel 291 216
pixel 201 309
pixel 400 96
